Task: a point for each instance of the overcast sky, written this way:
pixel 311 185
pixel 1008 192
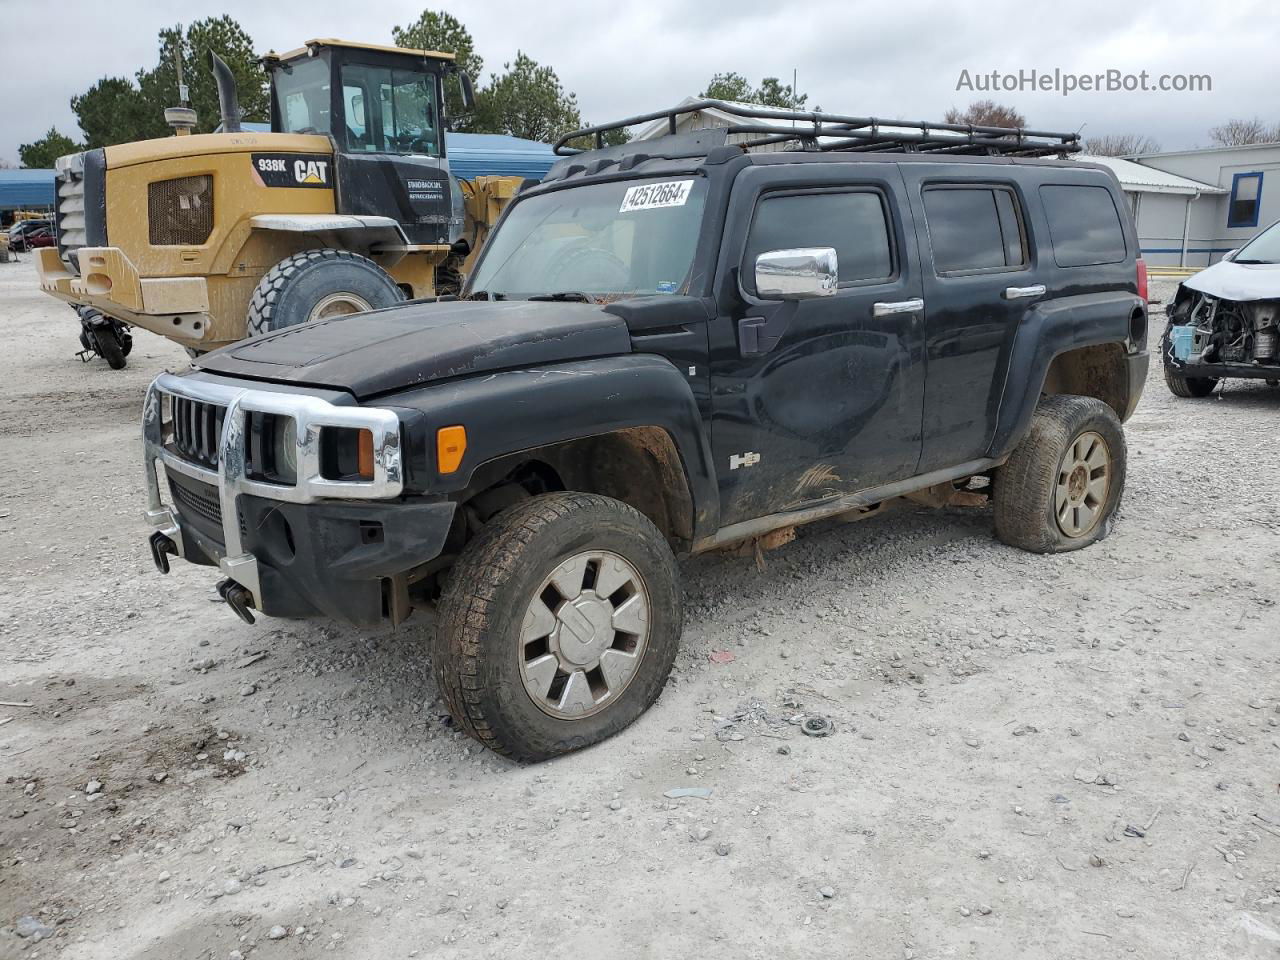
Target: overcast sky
pixel 896 59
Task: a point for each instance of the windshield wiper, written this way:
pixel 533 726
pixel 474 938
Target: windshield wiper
pixel 1254 261
pixel 564 296
pixel 485 295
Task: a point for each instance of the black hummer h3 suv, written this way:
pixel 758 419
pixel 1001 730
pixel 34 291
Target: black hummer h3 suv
pixel 668 347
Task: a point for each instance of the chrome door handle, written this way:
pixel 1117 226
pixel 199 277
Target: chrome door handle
pixel 898 306
pixel 1017 293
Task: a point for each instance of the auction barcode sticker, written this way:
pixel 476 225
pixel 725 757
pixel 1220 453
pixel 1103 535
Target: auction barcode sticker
pixel 651 196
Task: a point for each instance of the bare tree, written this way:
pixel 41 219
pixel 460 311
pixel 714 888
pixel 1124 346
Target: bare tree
pixel 986 113
pixel 1120 145
pixel 1241 133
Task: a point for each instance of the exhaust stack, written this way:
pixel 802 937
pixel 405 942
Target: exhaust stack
pixel 227 103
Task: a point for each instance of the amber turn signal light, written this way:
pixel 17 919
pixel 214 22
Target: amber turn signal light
pixel 451 444
pixel 364 454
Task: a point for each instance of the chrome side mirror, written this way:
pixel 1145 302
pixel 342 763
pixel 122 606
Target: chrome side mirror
pixel 801 273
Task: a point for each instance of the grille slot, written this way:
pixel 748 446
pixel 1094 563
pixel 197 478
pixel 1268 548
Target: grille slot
pixel 70 220
pixel 191 501
pixel 180 211
pixel 197 430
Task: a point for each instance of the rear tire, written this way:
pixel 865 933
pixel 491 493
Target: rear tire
pixel 110 346
pixel 530 660
pixel 1060 488
pixel 318 285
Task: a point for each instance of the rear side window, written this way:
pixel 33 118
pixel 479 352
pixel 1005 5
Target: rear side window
pixel 973 229
pixel 853 223
pixel 1084 225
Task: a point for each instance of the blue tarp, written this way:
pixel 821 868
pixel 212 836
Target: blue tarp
pixel 26 189
pixel 494 154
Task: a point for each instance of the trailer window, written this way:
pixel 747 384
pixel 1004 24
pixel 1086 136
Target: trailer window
pixel 1084 225
pixel 1246 192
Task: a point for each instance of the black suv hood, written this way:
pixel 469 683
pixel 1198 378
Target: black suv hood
pixel 373 353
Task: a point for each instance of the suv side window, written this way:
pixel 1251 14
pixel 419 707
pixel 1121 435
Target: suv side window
pixel 854 222
pixel 1084 225
pixel 974 229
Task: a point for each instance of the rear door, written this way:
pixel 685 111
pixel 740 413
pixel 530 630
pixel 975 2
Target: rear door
pixel 979 279
pixel 834 405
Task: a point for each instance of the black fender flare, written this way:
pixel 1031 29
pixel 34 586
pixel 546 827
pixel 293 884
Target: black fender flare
pixel 517 410
pixel 1050 329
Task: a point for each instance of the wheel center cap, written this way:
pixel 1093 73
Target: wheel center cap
pixel 585 631
pixel 1078 482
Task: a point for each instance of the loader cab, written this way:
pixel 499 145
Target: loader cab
pixel 369 99
pixel 382 107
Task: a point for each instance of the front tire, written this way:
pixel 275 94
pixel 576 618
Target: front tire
pixel 318 285
pixel 1189 387
pixel 1060 488
pixel 558 625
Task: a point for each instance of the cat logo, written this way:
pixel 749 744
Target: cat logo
pixel 311 171
pixel 291 170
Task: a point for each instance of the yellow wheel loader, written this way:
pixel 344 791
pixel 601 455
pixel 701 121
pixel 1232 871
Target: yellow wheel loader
pixel 348 204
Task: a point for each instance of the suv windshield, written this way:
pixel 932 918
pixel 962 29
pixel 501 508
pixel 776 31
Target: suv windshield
pixel 1264 248
pixel 606 240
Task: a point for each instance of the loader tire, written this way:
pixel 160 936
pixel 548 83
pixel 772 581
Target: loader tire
pixel 530 659
pixel 1060 487
pixel 318 285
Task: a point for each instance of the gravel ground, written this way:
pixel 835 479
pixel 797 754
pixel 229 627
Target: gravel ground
pixel 1033 756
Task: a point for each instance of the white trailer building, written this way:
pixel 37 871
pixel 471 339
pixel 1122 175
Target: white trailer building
pixel 1240 206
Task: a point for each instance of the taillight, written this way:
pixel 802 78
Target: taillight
pixel 1142 278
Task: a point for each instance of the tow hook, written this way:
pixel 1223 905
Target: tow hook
pixel 238 599
pixel 162 548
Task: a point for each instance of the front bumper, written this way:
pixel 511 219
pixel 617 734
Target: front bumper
pixel 320 546
pixel 176 307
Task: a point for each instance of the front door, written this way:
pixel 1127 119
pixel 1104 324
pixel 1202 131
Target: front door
pixel 833 404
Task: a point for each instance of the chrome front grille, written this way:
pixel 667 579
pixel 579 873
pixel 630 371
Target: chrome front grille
pixel 197 430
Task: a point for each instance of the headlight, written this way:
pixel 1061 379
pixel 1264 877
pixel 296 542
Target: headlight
pixel 284 449
pixel 346 453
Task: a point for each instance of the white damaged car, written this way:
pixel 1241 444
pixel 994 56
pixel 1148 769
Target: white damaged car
pixel 1225 321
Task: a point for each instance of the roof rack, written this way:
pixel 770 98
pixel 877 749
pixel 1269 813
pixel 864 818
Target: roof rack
pixel 815 131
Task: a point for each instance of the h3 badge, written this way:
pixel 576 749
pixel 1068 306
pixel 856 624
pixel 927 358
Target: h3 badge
pixel 291 170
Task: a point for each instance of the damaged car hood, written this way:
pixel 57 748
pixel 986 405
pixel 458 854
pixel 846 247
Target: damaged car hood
pixel 1227 280
pixel 373 353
